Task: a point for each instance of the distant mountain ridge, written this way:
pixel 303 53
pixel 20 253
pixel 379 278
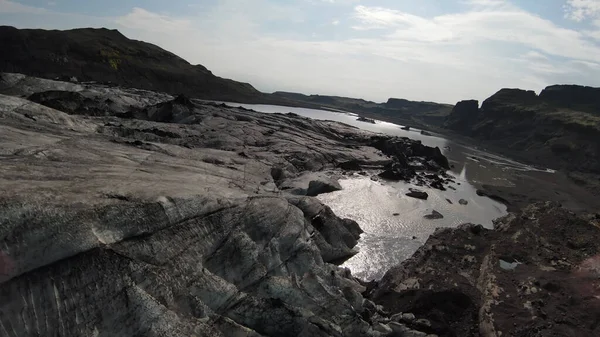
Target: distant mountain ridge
pixel 107 56
pixel 104 55
pixel 395 110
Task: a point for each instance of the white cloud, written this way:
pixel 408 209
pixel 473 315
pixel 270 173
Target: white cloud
pixel 445 58
pixel 140 18
pixel 510 26
pixel 335 22
pixel 390 53
pixel 378 17
pixel 15 7
pixel 534 55
pixel 580 10
pixel 488 3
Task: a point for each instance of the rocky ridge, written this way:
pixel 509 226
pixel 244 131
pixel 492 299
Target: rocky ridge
pixel 133 212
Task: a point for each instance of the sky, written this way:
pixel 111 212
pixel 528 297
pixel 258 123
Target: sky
pixel 431 50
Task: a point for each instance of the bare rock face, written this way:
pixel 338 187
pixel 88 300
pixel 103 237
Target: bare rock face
pixel 464 114
pixel 133 213
pixel 536 274
pixel 199 266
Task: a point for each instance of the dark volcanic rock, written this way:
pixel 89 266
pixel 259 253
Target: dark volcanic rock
pixel 404 148
pixel 397 171
pixel 458 281
pixel 463 115
pixel 418 194
pixel 71 102
pixel 178 110
pixel 505 98
pixel 434 215
pixel 366 120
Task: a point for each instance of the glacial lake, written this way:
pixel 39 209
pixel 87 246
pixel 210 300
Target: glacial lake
pixel 390 239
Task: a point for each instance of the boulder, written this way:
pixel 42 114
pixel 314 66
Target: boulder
pixel 310 184
pixel 418 194
pixel 434 215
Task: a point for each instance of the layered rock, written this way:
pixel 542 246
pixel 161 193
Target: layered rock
pixel 136 213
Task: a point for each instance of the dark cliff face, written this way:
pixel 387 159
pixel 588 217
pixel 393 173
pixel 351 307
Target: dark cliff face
pixel 463 114
pixel 105 55
pixel 559 128
pixel 573 96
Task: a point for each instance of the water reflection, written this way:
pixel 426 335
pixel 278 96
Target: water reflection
pixel 389 239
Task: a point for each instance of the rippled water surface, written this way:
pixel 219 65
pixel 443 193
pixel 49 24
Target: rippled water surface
pixel 388 238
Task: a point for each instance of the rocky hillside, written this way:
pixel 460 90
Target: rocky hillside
pixel 559 128
pixel 127 212
pixel 395 110
pixel 535 274
pixel 105 56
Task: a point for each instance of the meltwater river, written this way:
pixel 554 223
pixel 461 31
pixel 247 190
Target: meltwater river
pixel 389 239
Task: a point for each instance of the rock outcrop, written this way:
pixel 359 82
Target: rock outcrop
pixel 133 212
pixel 535 274
pixel 573 97
pixel 463 115
pixel 557 129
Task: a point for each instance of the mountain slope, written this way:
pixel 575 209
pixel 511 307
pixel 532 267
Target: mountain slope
pixel 105 55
